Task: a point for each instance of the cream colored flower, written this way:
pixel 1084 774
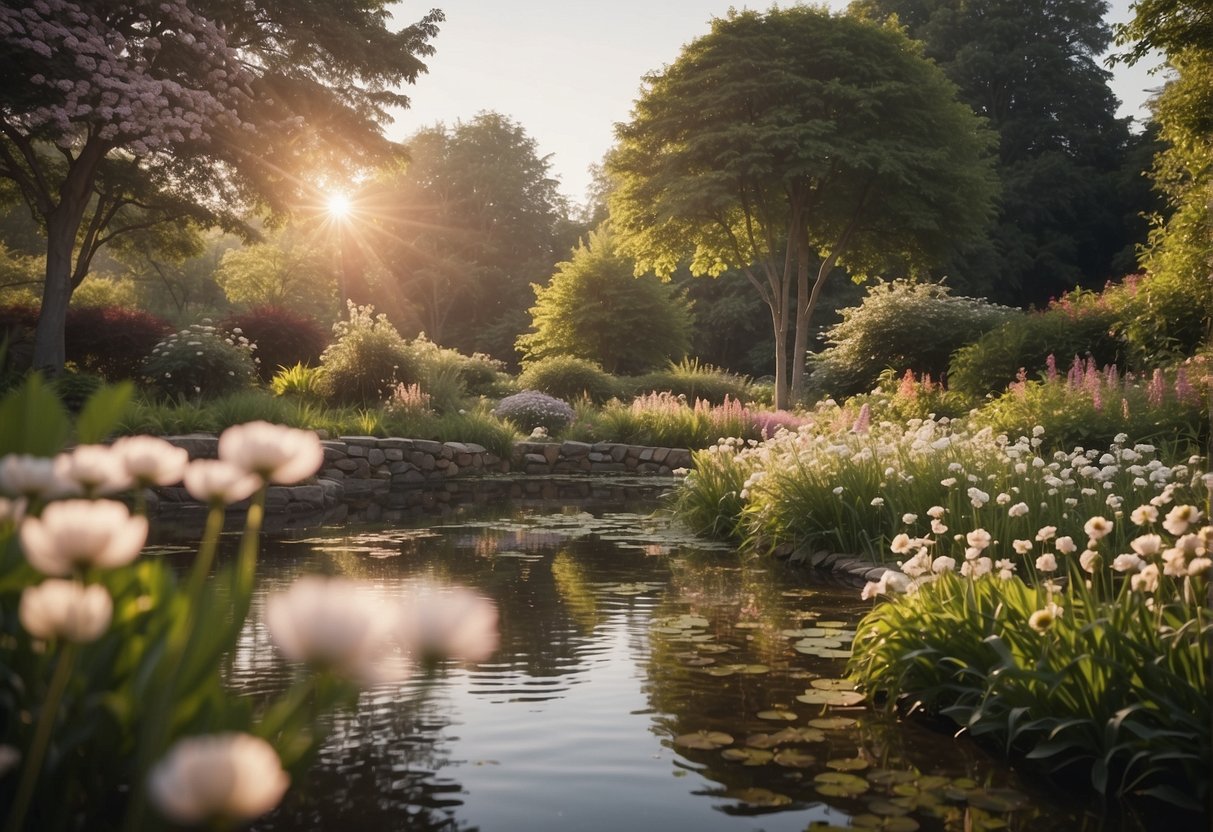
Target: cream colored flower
pixel 1200 567
pixel 1144 515
pixel 936 512
pixel 1097 528
pixel 1043 619
pixel 977 568
pixel 978 538
pixel 1046 533
pixel 1128 563
pixel 942 564
pixel 80 534
pixel 1147 545
pixel 65 609
pixel 1065 545
pixel 1146 580
pixel 336 625
pixel 1018 510
pixel 230 777
pixel 217 482
pixel 1179 518
pixel 451 623
pixel 150 460
pixel 33 477
pixel 1046 563
pixel 1090 560
pixel 96 469
pixel 275 453
pixel 1021 547
pixel 901 544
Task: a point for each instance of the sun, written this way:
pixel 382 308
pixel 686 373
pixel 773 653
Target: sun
pixel 338 205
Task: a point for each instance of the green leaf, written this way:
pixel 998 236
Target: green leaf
pixel 102 412
pixel 35 421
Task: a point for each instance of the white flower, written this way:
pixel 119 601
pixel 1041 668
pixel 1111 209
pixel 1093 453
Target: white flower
pixel 79 534
pixel 65 609
pixel 277 454
pixel 1066 545
pixel 1200 567
pixel 1021 547
pixel 978 538
pixel 838 490
pixel 1046 563
pixel 1144 515
pixel 1175 562
pixel 33 477
pixel 95 468
pixel 1147 545
pixel 878 502
pixel 1017 510
pixel 453 623
pixel 1046 533
pixel 230 777
pixel 978 497
pixel 1006 569
pixel 1097 528
pixel 942 564
pixel 1090 560
pixel 909 519
pixel 1146 580
pixel 977 567
pixel 901 544
pixel 216 482
pixel 1128 563
pixel 936 512
pixel 335 625
pixel 948 482
pixel 152 461
pixel 1043 619
pixel 937 527
pixel 1179 518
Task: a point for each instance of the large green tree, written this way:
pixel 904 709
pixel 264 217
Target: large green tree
pixel 157 109
pixel 1067 209
pixel 475 218
pixel 791 142
pixel 595 308
pixel 290 268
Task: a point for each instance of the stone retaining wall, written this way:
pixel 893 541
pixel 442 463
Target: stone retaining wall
pixel 369 478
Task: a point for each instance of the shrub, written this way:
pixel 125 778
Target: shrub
pixel 912 397
pixel 708 500
pixel 531 409
pixel 300 381
pixel 691 380
pixel 408 401
pixel 75 388
pixel 17 322
pixel 283 338
pixel 112 341
pixel 367 359
pixel 665 420
pixel 200 360
pixel 1080 324
pixel 899 326
pixel 1161 316
pixel 568 378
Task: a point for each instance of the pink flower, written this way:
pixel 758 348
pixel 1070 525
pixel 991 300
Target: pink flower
pixel 275 453
pixel 448 623
pixel 76 535
pixel 216 482
pixel 63 609
pixel 229 777
pixel 152 461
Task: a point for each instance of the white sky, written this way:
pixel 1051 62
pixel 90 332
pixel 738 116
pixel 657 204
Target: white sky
pixel 568 70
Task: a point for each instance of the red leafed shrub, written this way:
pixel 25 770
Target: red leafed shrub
pixel 283 338
pixel 111 341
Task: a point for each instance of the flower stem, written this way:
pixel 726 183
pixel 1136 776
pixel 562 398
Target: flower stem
pixel 42 737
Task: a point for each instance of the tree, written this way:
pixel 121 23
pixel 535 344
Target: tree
pixel 160 109
pixel 472 222
pixel 792 141
pixel 595 308
pixel 1067 209
pixel 290 269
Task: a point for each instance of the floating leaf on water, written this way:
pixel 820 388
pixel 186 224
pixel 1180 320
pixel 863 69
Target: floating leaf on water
pixel 894 823
pixel 839 784
pixel 820 651
pixel 836 654
pixel 723 670
pixel 792 758
pixel 777 714
pixel 833 723
pixel 848 764
pixel 747 625
pixel 700 661
pixel 702 637
pixel 759 797
pixel 704 647
pixel 964 783
pixel 891 777
pixel 762 740
pixel 997 800
pixel 886 808
pixel 819 644
pixel 798 593
pixel 838 698
pixel 751 669
pixel 833 684
pixel 831 623
pixel 931 782
pixel 709 740
pixel 748 756
pixel 693 621
pixel 674 631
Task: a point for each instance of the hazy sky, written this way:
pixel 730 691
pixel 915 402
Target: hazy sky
pixel 568 70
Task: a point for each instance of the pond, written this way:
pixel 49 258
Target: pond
pixel 645 680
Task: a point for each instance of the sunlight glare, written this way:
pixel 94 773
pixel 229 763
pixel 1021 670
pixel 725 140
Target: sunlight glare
pixel 338 205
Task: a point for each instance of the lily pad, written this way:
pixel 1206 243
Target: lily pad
pixel 833 723
pixel 699 661
pixel 748 756
pixel 886 808
pixel 751 669
pixel 833 684
pixel 894 823
pixel 708 740
pixel 997 800
pixel 747 625
pixel 840 698
pixel 722 670
pixel 891 777
pixel 839 784
pixel 778 714
pixel 760 797
pixel 704 647
pixel 794 758
pixel 848 764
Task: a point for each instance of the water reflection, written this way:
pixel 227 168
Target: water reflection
pixel 617 638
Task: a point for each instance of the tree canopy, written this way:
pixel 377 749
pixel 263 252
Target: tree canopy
pixel 595 308
pixel 1067 209
pixel 120 114
pixel 798 140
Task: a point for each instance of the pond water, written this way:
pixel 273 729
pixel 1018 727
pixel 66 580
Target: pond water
pixel 645 681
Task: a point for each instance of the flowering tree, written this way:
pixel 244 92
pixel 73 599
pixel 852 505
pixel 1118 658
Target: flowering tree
pixel 118 115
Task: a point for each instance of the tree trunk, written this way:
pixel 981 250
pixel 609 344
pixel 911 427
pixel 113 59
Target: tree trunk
pixel 804 311
pixel 779 323
pixel 49 348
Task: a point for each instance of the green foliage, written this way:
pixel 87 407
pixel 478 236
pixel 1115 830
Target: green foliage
pixel 200 361
pixel 1070 199
pixel 1080 324
pixel 283 337
pixel 531 409
pixel 789 142
pixel 595 308
pixel 75 388
pixel 1164 315
pixel 1101 679
pixel 366 360
pixel 290 269
pixel 299 381
pixel 569 378
pixel 899 326
pixel 1090 406
pixel 691 380
pixel 449 377
pixel 899 400
pixel 478 425
pixel 708 499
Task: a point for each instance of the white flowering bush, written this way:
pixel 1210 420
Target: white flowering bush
pixel 1093 658
pixel 115 661
pixel 201 361
pixel 366 360
pixel 531 409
